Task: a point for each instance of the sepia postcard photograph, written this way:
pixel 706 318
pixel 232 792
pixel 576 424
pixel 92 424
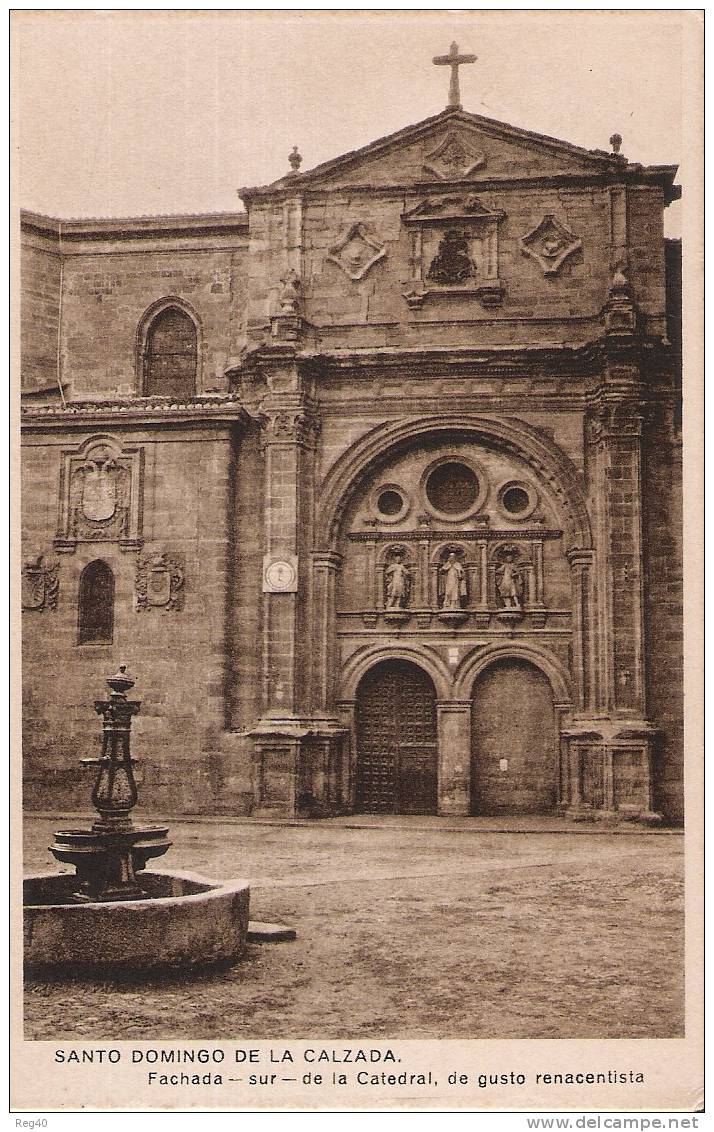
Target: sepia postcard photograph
pixel 358 557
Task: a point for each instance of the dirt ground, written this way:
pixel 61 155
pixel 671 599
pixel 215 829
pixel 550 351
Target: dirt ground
pixel 411 928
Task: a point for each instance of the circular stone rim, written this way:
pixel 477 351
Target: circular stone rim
pixel 481 492
pixel 533 500
pixel 403 495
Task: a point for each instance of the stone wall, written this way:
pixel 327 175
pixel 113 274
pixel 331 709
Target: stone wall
pixel 179 657
pixel 40 267
pixel 662 520
pixel 108 292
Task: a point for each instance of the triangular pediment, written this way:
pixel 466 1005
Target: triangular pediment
pixel 453 147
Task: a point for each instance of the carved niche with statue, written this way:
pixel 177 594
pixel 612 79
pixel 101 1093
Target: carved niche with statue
pixel 398 579
pixel 454 250
pixel 452 586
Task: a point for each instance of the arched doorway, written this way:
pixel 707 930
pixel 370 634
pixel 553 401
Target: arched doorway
pixel 396 740
pixel 514 741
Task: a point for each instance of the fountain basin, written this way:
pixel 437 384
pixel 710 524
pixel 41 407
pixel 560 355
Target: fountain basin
pixel 184 921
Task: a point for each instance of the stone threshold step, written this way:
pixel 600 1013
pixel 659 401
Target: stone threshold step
pixel 260 932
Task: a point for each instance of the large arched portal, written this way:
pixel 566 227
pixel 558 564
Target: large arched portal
pixel 514 759
pixel 396 740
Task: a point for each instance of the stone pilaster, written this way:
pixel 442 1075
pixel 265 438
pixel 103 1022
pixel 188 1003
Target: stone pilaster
pixel 615 435
pixel 454 731
pixel 325 568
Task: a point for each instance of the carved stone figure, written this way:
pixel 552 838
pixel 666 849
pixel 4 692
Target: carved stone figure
pixel 454 578
pixel 452 262
pixel 397 583
pixel 509 583
pixel 291 293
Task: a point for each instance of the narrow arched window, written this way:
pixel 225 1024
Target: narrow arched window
pixel 170 355
pixel 96 604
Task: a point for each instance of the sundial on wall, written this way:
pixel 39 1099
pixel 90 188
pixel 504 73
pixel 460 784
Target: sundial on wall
pixel 280 574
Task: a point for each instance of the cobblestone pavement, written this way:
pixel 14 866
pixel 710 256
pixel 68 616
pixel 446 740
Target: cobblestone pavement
pixel 411 928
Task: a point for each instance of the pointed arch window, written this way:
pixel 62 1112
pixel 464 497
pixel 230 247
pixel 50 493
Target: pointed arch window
pixel 170 355
pixel 96 604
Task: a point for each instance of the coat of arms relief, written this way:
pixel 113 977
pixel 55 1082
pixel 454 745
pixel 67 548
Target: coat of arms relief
pixel 40 583
pixel 100 495
pixel 160 582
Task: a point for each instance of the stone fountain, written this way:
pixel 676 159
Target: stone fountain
pixel 111 911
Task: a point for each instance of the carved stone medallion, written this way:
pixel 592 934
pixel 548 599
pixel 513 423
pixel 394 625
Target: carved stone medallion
pixel 454 158
pixel 356 253
pixel 159 582
pixel 550 243
pixel 40 583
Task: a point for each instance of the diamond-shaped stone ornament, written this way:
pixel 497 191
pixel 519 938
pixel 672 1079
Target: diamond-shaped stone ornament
pixel 550 243
pixel 454 158
pixel 356 253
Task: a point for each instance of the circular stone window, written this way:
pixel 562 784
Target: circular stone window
pixel 389 503
pixel 452 488
pixel 517 500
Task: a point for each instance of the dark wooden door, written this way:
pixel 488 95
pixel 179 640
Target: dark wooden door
pixel 396 740
pixel 514 752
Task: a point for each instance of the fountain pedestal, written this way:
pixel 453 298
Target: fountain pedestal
pixel 113 914
pixel 108 857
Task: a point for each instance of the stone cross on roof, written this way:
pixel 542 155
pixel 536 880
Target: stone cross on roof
pixel 454 60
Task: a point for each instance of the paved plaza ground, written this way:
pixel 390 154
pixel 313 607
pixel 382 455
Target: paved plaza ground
pixel 411 928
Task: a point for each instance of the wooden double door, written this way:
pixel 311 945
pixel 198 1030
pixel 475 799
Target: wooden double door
pixel 514 757
pixel 397 751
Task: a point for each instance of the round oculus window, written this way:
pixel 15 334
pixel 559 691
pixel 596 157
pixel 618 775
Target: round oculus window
pixel 389 502
pixel 452 488
pixel 516 500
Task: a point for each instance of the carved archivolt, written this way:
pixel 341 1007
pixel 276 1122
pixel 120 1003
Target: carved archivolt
pixel 100 495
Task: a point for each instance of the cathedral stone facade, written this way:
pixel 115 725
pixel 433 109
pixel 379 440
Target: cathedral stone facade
pixel 374 486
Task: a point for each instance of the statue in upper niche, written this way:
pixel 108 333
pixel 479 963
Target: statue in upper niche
pixel 397 580
pixel 291 294
pixel 452 262
pixel 454 579
pixel 509 583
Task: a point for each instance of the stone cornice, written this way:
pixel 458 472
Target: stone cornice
pixel 134 227
pixel 654 176
pixel 157 412
pixel 584 360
